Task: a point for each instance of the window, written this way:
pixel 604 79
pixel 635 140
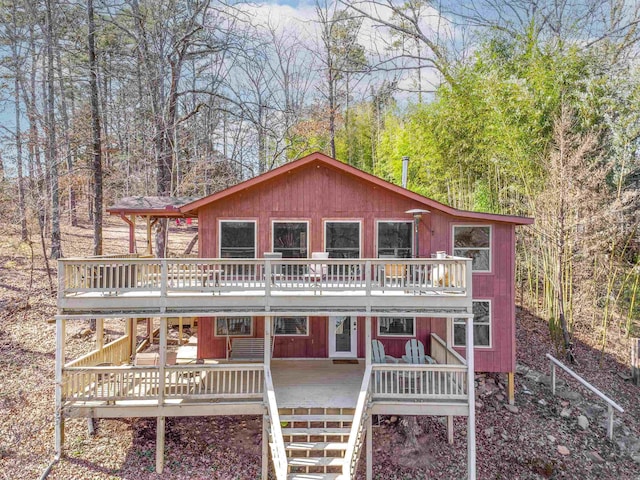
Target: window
pixel 291 326
pixel 394 239
pixel 342 239
pixel 401 327
pixel 481 326
pixel 290 239
pixel 237 326
pixel 475 243
pixel 238 239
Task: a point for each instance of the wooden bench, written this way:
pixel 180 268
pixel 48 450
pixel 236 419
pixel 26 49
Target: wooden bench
pixel 247 349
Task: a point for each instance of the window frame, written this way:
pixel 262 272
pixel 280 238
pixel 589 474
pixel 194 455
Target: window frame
pixel 224 317
pixel 377 234
pixel 326 221
pixel 462 321
pixel 238 220
pixel 395 335
pixel 273 222
pixel 308 328
pixel 489 248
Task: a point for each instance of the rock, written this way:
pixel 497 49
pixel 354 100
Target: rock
pixel 479 405
pixel 624 376
pixel 393 419
pixel 583 422
pixel 522 369
pixel 512 408
pixel 500 397
pixel 565 413
pixel 595 457
pixel 636 458
pixel 562 450
pixel 564 403
pixel 542 401
pixel 570 395
pixel 488 431
pixel 551 438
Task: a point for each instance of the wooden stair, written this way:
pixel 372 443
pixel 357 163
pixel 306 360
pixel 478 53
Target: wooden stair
pixel 315 440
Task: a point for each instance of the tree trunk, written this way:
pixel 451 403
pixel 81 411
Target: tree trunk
pixel 56 246
pixel 96 132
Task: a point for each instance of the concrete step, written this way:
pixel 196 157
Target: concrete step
pixel 315 446
pixel 315 462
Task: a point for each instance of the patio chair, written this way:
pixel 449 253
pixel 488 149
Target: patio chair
pixel 378 355
pixel 415 353
pixel 317 271
pixel 392 274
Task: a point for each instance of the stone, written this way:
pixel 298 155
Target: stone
pixel 595 457
pixel 564 403
pixel 500 397
pixel 542 401
pixel 562 450
pixel 551 438
pixel 488 432
pixel 479 405
pixel 570 395
pixel 583 422
pixel 393 419
pixel 565 413
pixel 636 458
pixel 512 408
pixel 522 369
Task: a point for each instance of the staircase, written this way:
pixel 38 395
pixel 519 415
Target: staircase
pixel 315 440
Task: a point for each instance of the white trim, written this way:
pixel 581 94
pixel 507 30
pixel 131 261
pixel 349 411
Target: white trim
pixel 224 335
pixel 461 321
pixel 342 220
pixel 353 351
pixel 376 238
pixel 288 220
pixel 275 334
pixel 395 335
pixel 471 225
pixel 238 220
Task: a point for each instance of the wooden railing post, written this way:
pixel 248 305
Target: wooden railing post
pixel 610 421
pixel 553 378
pixel 367 277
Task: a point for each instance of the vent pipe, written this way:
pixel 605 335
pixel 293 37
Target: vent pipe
pixel 405 171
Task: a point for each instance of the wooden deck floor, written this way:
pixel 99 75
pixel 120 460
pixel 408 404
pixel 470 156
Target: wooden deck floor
pixel 316 383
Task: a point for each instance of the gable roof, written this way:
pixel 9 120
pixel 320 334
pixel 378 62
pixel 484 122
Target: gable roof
pixel 152 206
pixel 323 159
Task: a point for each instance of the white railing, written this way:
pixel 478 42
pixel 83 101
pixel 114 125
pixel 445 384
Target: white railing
pixel 276 441
pixel 450 275
pixel 189 382
pixel 611 405
pixel 358 428
pixel 114 353
pixel 443 354
pixel 419 382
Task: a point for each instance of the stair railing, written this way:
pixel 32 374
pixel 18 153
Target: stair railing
pixel 278 452
pixel 358 428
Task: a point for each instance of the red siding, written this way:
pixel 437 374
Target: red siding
pixel 318 192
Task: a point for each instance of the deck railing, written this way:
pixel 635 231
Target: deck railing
pixel 443 354
pixel 419 382
pixel 276 441
pixel 187 382
pixel 358 428
pixel 115 353
pixel 449 275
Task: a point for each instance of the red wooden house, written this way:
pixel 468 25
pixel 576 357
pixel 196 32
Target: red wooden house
pixel 311 262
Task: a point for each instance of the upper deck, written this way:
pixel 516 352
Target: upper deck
pixel 138 287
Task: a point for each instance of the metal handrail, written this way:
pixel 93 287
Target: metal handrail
pixel 610 403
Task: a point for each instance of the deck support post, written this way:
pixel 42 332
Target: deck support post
pixel 99 333
pixel 511 388
pixel 59 418
pixel 265 448
pixel 267 342
pixel 471 419
pixel 160 445
pixel 367 341
pixel 450 429
pixel 369 440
